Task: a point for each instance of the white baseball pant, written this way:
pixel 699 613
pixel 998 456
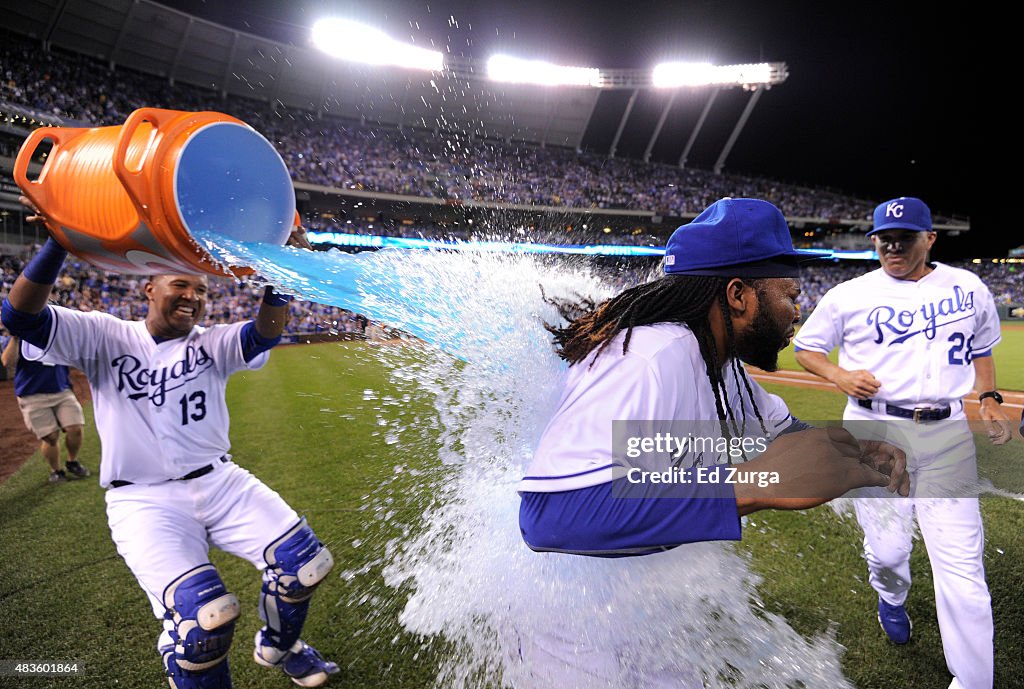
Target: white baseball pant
pixel 166 529
pixel 941 461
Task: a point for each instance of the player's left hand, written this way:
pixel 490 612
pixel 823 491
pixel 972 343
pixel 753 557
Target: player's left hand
pixel 997 423
pixel 889 460
pixel 298 238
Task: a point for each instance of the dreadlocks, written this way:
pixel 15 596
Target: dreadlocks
pixel 671 299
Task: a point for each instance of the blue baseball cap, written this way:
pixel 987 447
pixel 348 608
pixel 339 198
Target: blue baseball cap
pixel 744 238
pixel 904 213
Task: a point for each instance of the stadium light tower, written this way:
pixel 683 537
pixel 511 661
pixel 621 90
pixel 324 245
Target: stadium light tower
pixel 752 77
pixel 696 74
pixel 520 71
pixel 349 40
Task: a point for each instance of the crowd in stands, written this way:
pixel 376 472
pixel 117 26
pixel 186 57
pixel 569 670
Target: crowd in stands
pixel 457 169
pixel 1005 281
pixel 85 287
pixel 435 164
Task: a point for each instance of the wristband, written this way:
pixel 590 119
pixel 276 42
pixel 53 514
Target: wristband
pixel 994 394
pixel 45 266
pixel 272 298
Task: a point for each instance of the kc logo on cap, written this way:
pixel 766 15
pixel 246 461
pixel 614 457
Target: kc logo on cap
pixel 904 213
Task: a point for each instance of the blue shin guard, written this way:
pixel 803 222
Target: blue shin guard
pixel 217 677
pixel 297 563
pixel 202 615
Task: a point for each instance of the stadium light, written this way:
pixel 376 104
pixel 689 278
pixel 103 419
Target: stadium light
pixel 519 71
pixel 349 40
pixel 677 74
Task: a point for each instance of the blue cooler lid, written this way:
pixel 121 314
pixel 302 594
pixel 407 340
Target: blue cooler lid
pixel 230 181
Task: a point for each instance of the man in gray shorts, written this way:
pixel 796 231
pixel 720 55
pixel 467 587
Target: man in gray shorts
pixel 48 405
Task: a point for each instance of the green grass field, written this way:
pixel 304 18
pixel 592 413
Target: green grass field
pixel 306 426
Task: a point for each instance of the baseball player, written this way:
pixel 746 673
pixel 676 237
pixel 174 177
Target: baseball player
pixel 671 350
pixel 158 390
pixel 49 406
pixel 914 337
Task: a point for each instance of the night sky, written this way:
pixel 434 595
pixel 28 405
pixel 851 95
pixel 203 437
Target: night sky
pixel 878 103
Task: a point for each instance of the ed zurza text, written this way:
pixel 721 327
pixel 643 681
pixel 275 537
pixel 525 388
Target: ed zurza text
pixel 713 474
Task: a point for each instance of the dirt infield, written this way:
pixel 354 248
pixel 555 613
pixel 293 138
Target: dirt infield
pixel 17 443
pixel 1013 401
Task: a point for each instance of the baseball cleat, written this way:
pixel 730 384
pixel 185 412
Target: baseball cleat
pixel 303 663
pixel 895 622
pixel 76 469
pixel 58 476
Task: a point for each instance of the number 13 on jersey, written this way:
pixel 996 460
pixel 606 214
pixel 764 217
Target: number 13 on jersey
pixel 193 407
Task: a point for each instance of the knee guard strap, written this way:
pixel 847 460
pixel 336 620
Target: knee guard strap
pixel 216 677
pixel 203 614
pixel 297 563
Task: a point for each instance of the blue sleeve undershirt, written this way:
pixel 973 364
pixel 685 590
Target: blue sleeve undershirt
pixel 254 344
pixel 32 328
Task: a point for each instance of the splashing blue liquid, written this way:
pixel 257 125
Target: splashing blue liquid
pixel 407 289
pixel 689 618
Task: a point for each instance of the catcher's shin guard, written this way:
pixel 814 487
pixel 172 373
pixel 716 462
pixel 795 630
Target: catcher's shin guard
pixel 297 563
pixel 203 616
pixel 216 677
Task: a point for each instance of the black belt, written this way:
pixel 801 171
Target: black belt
pixel 919 414
pixel 201 471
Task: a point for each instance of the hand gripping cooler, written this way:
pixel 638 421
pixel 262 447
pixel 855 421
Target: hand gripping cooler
pixel 133 198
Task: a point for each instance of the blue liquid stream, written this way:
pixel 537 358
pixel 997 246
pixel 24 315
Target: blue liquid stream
pixel 370 283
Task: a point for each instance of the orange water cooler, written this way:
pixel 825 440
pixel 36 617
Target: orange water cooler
pixel 134 198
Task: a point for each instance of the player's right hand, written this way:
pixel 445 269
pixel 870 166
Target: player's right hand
pixel 298 238
pixel 37 216
pixel 818 465
pixel 860 383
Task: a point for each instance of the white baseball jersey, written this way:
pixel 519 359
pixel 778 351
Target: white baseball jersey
pixel 160 409
pixel 917 337
pixel 661 377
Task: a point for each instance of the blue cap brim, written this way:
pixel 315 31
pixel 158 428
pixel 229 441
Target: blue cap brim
pixel 782 266
pixel 897 226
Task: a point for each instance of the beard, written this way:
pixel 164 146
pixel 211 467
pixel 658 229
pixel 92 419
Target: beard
pixel 761 343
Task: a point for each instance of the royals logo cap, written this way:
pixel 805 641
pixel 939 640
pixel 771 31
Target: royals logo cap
pixel 735 238
pixel 904 213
